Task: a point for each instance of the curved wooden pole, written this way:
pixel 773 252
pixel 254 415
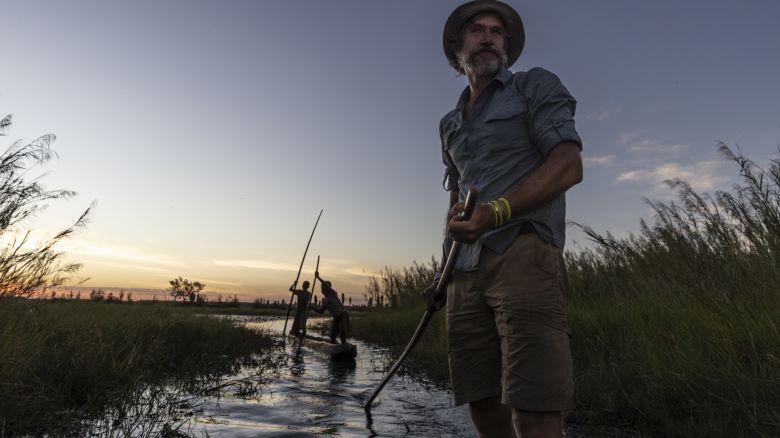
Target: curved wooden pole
pixel 308 306
pixel 446 274
pixel 297 277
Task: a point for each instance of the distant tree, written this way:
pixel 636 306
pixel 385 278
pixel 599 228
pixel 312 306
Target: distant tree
pixel 129 297
pixel 350 301
pixel 185 289
pixel 28 267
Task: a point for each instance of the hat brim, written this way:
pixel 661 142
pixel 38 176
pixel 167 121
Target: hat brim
pixel 463 13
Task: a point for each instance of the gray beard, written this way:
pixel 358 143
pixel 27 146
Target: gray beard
pixel 490 68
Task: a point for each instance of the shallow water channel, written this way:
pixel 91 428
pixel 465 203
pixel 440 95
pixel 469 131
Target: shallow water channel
pixel 312 396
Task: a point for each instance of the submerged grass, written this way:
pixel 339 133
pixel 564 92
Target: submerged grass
pixel 64 361
pixel 675 329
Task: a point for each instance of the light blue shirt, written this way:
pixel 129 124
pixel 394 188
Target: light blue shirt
pixel 513 125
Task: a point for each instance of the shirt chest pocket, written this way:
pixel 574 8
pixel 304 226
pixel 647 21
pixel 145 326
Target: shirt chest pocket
pixel 454 142
pixel 504 125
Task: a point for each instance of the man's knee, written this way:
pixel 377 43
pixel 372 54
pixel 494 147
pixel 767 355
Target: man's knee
pixel 491 418
pixel 531 424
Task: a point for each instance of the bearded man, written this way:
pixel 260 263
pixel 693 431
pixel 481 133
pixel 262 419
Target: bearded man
pixel 512 136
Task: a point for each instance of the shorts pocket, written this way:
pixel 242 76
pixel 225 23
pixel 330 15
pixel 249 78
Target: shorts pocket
pixel 547 258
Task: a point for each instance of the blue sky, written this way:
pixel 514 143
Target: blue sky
pixel 212 133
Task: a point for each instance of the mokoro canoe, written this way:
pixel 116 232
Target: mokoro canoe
pixel 337 352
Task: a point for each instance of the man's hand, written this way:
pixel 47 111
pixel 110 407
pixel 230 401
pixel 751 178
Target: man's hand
pixel 482 220
pixel 430 303
pixel 292 288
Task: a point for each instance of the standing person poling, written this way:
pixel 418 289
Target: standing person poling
pixel 303 295
pixel 330 301
pixel 512 135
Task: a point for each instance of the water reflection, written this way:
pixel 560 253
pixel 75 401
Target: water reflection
pixel 308 395
pixel 298 366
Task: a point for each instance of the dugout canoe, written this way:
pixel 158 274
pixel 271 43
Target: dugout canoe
pixel 337 352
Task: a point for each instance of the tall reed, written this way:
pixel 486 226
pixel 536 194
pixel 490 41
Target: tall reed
pixel 676 327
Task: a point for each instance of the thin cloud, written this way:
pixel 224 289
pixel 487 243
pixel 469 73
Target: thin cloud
pixel 604 115
pixel 360 272
pixel 132 267
pixel 337 268
pixel 117 252
pixel 211 283
pixel 257 264
pixel 636 142
pixel 704 175
pixel 598 161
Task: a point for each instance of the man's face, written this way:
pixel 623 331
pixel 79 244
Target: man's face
pixel 483 52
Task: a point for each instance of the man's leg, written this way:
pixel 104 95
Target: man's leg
pixel 342 330
pixel 296 322
pixel 537 378
pixel 345 326
pixel 529 424
pixel 333 330
pixel 474 354
pixel 492 418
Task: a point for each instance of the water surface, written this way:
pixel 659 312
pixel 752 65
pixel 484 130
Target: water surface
pixel 313 396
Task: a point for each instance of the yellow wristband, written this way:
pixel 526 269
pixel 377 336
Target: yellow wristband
pixel 507 208
pixel 498 212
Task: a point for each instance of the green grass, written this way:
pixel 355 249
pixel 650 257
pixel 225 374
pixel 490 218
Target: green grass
pixel 65 360
pixel 394 328
pixel 676 330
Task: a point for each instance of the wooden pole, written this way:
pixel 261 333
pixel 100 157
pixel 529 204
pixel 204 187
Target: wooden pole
pixel 297 277
pixel 308 306
pixel 471 201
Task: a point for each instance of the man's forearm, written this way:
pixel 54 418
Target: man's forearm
pixel 559 172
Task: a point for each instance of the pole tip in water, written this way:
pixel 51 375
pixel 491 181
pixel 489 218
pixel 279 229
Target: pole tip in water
pixel 368 406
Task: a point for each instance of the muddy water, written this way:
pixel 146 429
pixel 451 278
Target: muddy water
pixel 312 396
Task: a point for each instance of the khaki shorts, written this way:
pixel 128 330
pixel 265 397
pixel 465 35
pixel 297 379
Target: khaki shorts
pixel 507 329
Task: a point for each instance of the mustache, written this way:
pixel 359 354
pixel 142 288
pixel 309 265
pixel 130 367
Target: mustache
pixel 488 49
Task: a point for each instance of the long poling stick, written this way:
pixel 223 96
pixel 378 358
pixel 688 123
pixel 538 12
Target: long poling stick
pixel 471 201
pixel 297 277
pixel 308 305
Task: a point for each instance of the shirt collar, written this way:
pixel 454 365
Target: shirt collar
pixel 503 76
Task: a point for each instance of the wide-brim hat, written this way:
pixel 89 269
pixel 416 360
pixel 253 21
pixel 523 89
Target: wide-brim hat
pixel 463 13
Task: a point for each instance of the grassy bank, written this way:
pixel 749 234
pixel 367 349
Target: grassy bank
pixel 394 326
pixel 675 329
pixel 65 360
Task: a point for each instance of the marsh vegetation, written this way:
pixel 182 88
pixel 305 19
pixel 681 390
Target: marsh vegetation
pixel 675 327
pixel 65 362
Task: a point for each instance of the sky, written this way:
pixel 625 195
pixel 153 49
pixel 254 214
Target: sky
pixel 210 134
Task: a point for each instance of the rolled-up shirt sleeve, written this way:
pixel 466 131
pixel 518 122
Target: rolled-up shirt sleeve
pixel 551 111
